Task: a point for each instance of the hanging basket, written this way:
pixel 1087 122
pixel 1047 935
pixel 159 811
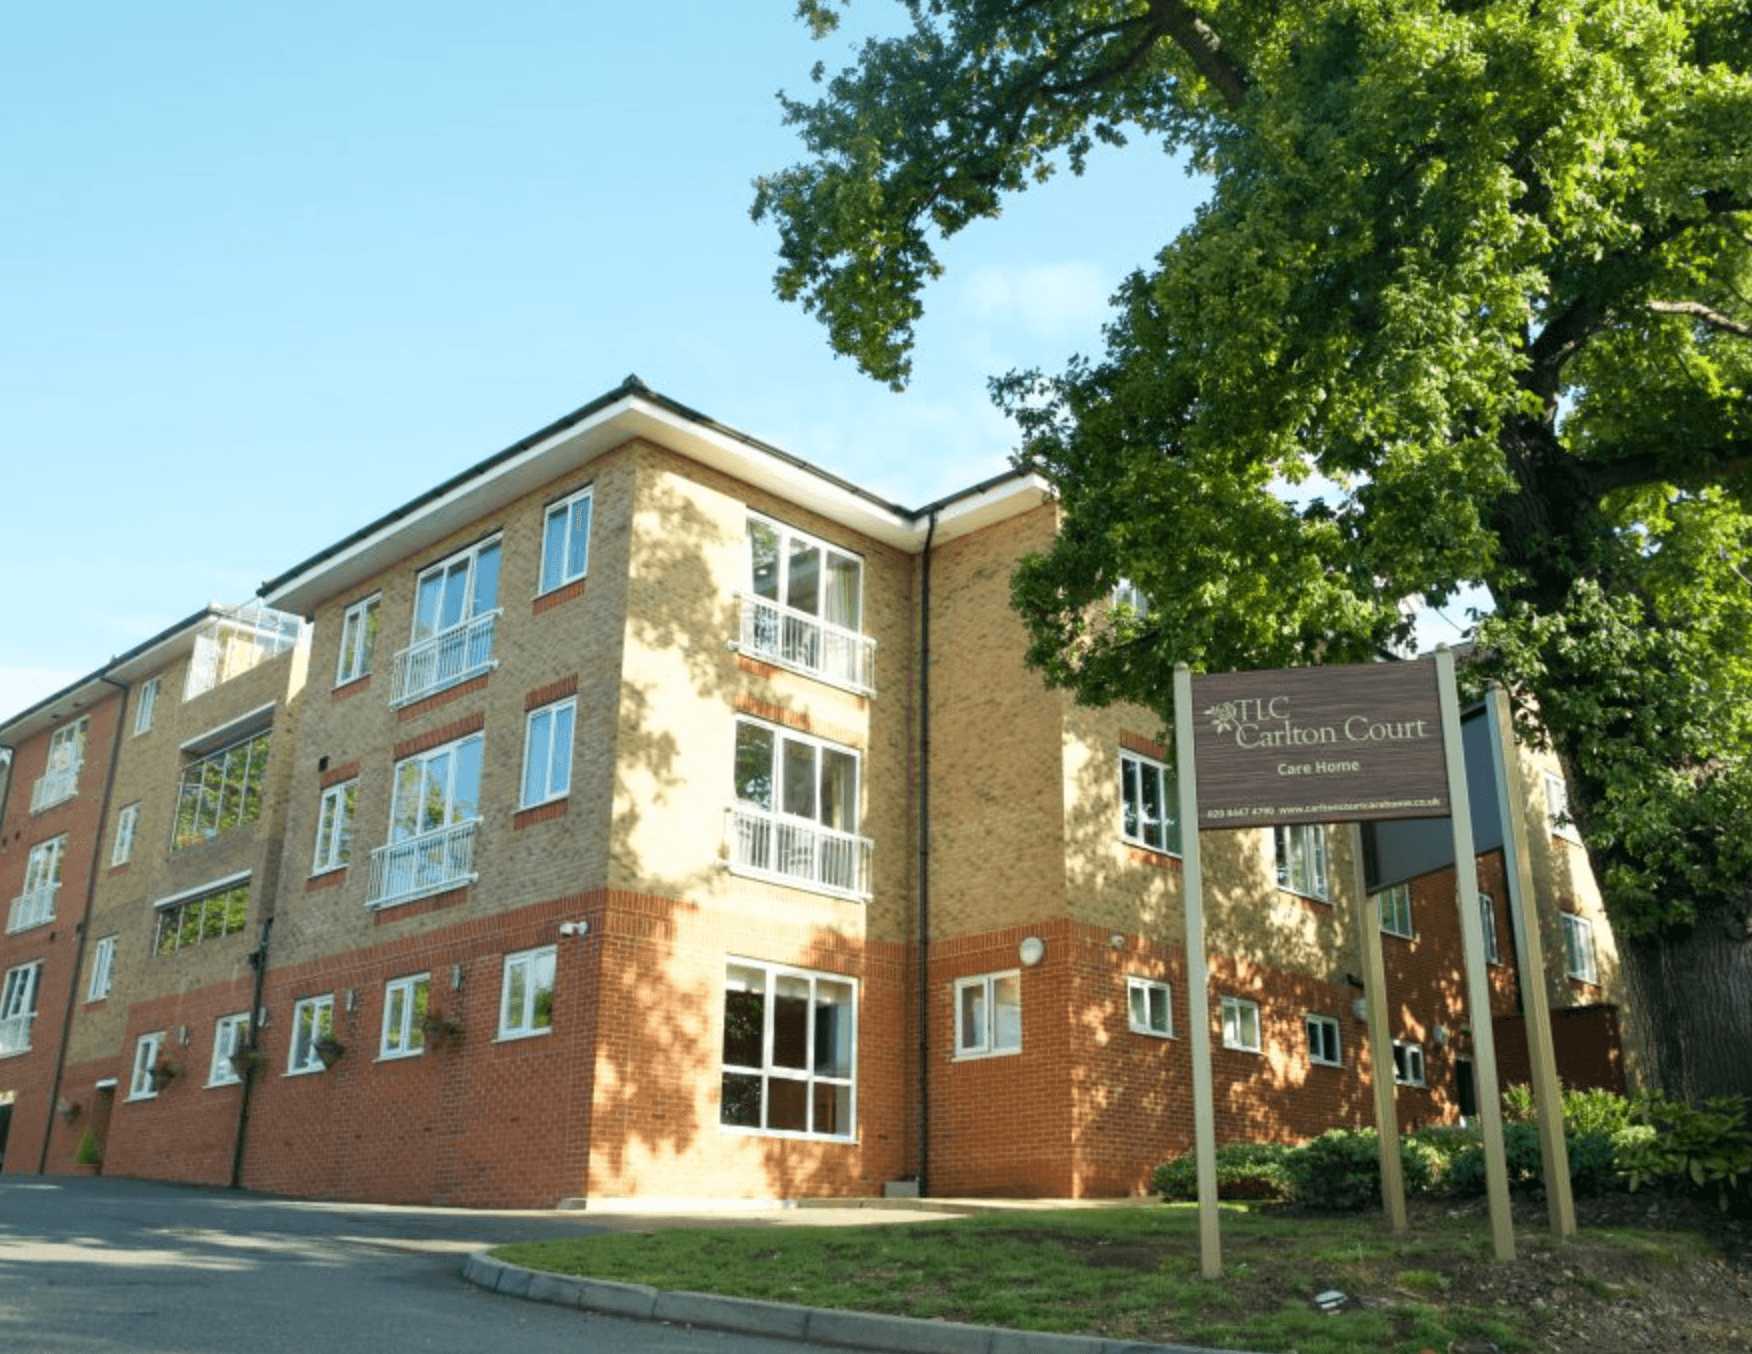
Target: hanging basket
pixel 438 1030
pixel 330 1051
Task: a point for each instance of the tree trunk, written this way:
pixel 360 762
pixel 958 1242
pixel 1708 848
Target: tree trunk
pixel 1688 1007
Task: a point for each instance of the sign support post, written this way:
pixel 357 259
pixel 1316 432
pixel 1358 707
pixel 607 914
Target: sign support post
pixel 1490 1108
pixel 1210 1245
pixel 1380 1046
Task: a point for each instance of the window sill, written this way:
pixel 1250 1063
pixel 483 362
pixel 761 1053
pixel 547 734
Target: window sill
pixel 1157 856
pixel 220 1085
pixel 304 1071
pixel 1240 1048
pixel 513 1036
pixel 560 592
pixel 1305 897
pixel 1396 935
pixel 1323 1062
pixel 795 1134
pixel 1150 1034
pixel 407 1056
pixel 985 1055
pixel 137 1099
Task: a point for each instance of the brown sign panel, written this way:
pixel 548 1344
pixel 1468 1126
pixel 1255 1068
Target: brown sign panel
pixel 1319 745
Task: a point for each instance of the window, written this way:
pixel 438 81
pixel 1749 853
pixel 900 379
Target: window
pixel 1241 1024
pixel 547 753
pixel 334 827
pixel 404 1011
pixel 103 969
pixel 1301 859
pixel 1578 949
pixel 18 1007
pixel 1148 804
pixel 1408 1063
pixel 527 1004
pixel 988 1015
pixel 565 541
pixel 141 1085
pixel 60 781
pixel 127 822
pixel 42 881
pixel 1487 918
pixel 803 606
pixel 432 817
pixel 1150 1007
pixel 145 705
pixel 230 1036
pixel 1128 594
pixel 796 813
pixel 790 1039
pixel 1323 1042
pixel 313 1020
pixel 358 640
pixel 456 603
pixel 186 922
pixel 221 791
pixel 1395 905
pixel 1557 809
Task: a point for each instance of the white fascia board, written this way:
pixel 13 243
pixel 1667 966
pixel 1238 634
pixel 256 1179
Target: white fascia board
pixel 202 890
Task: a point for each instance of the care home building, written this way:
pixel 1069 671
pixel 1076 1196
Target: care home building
pixel 647 813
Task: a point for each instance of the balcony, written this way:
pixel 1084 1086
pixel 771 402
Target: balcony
pixel 793 639
pixel 237 640
pixel 32 909
pixel 14 1035
pixel 422 865
pixel 461 652
pixel 795 851
pixel 53 787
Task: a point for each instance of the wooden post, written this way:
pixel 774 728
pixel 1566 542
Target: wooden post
pixel 1380 1043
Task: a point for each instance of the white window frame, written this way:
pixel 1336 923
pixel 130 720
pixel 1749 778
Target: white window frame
pixel 817 1070
pixel 807 850
pixel 405 1002
pixel 358 639
pixel 528 1021
pixel 1154 997
pixel 229 1034
pixel 146 1049
pixel 248 755
pixel 172 916
pixel 1128 594
pixel 313 1019
pixel 1557 809
pixel 1408 1063
pixel 19 995
pixel 570 517
pixel 1394 905
pixel 1325 1040
pixel 547 757
pixel 127 826
pixel 145 705
pixel 60 779
pixel 334 827
pixel 103 969
pixel 1579 959
pixel 470 558
pixel 35 906
pixel 1487 922
pixel 1135 772
pixel 776 630
pixel 409 776
pixel 1299 855
pixel 1238 1012
pixel 987 1034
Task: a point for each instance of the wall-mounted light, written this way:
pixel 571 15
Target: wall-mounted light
pixel 574 928
pixel 1360 1008
pixel 456 977
pixel 182 1035
pixel 1031 951
pixel 352 1000
pixel 1442 1035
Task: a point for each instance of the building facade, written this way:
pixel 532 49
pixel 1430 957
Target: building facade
pixel 645 813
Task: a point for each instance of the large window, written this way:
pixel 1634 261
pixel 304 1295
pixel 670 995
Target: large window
pixel 1323 1041
pixel 565 541
pixel 141 1084
pixel 103 969
pixel 803 606
pixel 334 827
pixel 1395 905
pixel 796 810
pixel 42 881
pixel 18 1006
pixel 1578 949
pixel 1150 1007
pixel 221 790
pixel 790 1041
pixel 60 780
pixel 432 818
pixel 1241 1024
pixel 455 603
pixel 547 753
pixel 313 1021
pixel 185 922
pixel 526 1004
pixel 404 1013
pixel 358 640
pixel 145 705
pixel 1148 804
pixel 988 1015
pixel 127 824
pixel 1301 859
pixel 229 1035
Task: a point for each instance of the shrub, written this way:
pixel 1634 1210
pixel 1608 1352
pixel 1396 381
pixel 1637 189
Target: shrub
pixel 1704 1149
pixel 1341 1169
pixel 1245 1170
pixel 1595 1111
pixel 86 1154
pixel 1518 1103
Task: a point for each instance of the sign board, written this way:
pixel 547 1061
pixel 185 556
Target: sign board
pixel 1398 851
pixel 1319 745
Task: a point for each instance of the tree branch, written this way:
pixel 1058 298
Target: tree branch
pixel 1182 23
pixel 1698 311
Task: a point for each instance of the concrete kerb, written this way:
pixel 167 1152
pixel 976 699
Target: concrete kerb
pixel 854 1330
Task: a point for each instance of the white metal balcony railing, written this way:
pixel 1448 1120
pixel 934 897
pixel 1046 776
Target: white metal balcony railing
pixel 32 909
pixel 794 850
pixel 52 787
pixel 429 863
pixel 461 652
pixel 794 639
pixel 15 1035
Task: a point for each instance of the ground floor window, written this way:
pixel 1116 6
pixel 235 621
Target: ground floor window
pixel 313 1020
pixel 1241 1024
pixel 526 1002
pixel 1150 1009
pixel 1578 949
pixel 230 1035
pixel 1323 1042
pixel 142 1086
pixel 988 1015
pixel 1408 1063
pixel 404 1016
pixel 790 1041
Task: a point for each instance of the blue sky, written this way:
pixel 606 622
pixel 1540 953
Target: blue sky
pixel 266 273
